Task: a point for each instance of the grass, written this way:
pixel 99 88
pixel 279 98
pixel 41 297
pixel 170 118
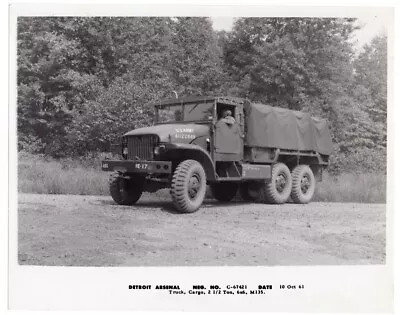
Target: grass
pixel 83 177
pixel 362 188
pixel 43 176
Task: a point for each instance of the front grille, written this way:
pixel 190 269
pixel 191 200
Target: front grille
pixel 141 147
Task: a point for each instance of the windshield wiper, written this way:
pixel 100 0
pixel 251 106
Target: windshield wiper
pixel 194 108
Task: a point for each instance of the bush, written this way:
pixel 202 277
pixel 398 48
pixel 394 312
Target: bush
pixel 358 161
pixel 31 144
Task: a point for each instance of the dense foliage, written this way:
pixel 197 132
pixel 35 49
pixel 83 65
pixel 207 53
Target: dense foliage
pixel 82 82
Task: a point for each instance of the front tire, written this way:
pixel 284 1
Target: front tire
pixel 188 187
pixel 224 192
pixel 303 184
pixel 277 191
pixel 125 191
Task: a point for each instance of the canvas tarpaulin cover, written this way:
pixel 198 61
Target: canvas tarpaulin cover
pixel 275 127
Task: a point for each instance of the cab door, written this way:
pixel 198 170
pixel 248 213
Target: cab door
pixel 229 137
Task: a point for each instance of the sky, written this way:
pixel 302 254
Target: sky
pixel 370 27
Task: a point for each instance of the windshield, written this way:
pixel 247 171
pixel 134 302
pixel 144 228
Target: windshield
pixel 169 113
pixel 191 112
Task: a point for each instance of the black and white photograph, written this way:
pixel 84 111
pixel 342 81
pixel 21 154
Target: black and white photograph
pixel 183 140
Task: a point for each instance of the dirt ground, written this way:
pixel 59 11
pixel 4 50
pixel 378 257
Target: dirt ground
pixel 61 230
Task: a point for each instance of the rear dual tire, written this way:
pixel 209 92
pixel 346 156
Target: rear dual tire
pixel 278 189
pixel 299 185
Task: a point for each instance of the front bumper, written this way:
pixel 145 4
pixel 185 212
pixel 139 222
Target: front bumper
pixel 144 167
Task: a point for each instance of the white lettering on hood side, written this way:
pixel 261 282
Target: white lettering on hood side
pixel 181 130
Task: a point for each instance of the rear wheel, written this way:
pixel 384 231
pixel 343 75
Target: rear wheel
pixel 303 184
pixel 188 186
pixel 224 191
pixel 125 190
pixel 250 191
pixel 278 190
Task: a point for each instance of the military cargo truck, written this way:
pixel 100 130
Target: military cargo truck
pixel 265 153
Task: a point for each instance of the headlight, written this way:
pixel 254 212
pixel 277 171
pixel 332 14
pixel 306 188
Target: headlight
pixel 159 149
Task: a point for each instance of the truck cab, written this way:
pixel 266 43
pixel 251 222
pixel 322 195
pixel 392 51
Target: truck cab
pixel 200 121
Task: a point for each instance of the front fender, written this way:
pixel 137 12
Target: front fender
pixel 186 151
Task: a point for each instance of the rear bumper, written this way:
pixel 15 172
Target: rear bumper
pixel 144 167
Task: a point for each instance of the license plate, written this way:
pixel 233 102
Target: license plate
pixel 142 166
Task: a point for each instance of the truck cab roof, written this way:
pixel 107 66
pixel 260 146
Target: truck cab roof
pixel 206 99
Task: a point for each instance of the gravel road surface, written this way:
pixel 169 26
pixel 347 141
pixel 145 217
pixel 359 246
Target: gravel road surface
pixel 61 230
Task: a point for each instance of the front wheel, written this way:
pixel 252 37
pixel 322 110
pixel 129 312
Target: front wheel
pixel 224 191
pixel 125 190
pixel 303 184
pixel 278 190
pixel 188 186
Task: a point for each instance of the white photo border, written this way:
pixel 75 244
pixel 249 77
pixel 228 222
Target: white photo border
pixel 331 288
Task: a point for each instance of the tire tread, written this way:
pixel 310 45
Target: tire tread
pixel 296 193
pixel 270 193
pixel 178 186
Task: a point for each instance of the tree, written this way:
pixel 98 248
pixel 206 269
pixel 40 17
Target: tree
pixel 160 55
pixel 56 74
pixel 196 58
pixel 371 80
pixel 72 70
pixel 290 62
pixel 123 104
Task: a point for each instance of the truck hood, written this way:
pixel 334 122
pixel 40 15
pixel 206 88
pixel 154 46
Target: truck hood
pixel 174 133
